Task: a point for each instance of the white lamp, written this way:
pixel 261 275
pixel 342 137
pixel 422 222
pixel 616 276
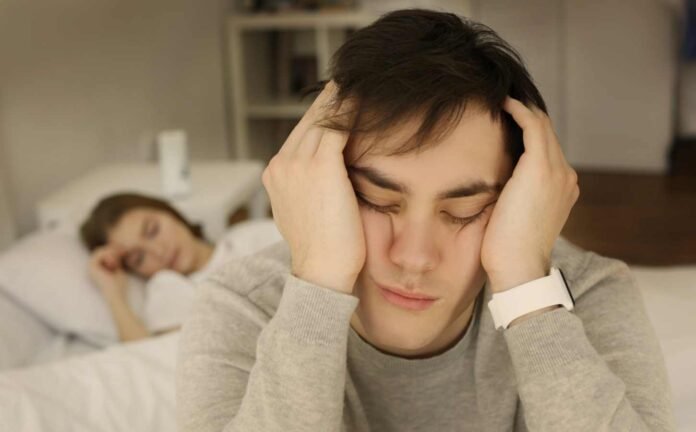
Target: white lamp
pixel 174 163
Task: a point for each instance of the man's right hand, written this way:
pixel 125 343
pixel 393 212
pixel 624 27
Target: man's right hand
pixel 314 204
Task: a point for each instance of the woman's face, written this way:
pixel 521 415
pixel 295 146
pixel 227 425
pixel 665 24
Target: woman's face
pixel 151 240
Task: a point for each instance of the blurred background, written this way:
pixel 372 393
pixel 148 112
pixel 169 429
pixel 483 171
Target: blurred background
pixel 187 100
pixel 84 84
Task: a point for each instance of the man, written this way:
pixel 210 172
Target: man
pixel 424 182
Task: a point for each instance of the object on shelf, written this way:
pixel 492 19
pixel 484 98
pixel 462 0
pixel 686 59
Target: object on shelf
pixel 174 163
pixel 293 70
pixel 282 6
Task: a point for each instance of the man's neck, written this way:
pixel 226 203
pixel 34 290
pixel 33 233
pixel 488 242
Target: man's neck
pixel 448 339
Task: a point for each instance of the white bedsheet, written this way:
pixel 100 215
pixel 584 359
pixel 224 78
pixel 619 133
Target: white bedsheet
pixel 129 387
pixel 669 294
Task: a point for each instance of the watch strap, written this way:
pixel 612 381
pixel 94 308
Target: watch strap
pixel 531 296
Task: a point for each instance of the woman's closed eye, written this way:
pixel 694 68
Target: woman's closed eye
pixel 151 229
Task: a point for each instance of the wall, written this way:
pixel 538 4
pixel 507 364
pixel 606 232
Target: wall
pixel 7 224
pixel 84 82
pixel 7 228
pixel 607 71
pixel 620 87
pixel 535 29
pixel 687 99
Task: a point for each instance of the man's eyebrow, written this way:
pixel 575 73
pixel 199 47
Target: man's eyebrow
pixel 383 181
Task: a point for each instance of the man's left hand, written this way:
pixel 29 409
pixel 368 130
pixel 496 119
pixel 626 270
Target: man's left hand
pixel 533 206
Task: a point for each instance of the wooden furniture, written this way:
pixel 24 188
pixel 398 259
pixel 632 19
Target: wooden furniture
pixel 262 114
pixel 643 219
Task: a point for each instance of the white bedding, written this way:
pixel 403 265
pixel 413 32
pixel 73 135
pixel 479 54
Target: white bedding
pixel 130 387
pixel 57 311
pixel 669 294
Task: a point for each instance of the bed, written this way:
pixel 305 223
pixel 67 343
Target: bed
pixel 68 378
pixel 128 387
pixel 61 364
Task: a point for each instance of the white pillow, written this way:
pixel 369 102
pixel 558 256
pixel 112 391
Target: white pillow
pixel 47 273
pixel 167 301
pixel 250 236
pixel 22 335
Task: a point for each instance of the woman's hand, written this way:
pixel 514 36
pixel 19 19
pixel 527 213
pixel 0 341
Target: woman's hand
pixel 533 206
pixel 314 204
pixel 106 271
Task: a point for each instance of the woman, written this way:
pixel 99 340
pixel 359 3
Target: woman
pixel 145 236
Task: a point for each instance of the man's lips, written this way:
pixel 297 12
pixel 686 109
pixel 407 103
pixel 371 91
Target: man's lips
pixel 406 300
pixel 407 294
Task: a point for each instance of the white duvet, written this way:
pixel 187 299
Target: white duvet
pixel 127 387
pixel 130 387
pixel 70 384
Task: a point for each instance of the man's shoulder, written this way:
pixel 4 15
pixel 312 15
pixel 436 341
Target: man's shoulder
pixel 257 278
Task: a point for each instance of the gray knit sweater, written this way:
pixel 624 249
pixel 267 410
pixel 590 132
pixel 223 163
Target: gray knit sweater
pixel 266 351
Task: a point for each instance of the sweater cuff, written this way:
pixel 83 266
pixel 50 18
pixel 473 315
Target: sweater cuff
pixel 314 314
pixel 547 342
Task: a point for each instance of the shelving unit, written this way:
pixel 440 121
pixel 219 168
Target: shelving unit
pixel 262 114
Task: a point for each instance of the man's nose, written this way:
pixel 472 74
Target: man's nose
pixel 414 247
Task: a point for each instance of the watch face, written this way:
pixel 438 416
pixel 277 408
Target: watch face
pixel 565 282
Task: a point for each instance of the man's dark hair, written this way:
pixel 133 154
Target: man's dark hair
pixel 430 65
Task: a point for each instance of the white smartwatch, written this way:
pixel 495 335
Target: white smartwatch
pixel 547 291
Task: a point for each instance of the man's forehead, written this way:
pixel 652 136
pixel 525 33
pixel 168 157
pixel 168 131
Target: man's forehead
pixel 474 128
pixel 470 160
pixel 460 186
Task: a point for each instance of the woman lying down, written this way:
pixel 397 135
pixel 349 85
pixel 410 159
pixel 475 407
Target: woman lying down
pixel 146 237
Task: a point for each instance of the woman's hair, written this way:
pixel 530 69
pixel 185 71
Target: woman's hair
pixel 417 63
pixel 108 212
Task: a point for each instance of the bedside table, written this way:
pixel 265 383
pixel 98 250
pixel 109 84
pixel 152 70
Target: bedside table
pixel 218 189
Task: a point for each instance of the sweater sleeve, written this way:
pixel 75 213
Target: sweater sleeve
pixel 598 368
pixel 240 372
